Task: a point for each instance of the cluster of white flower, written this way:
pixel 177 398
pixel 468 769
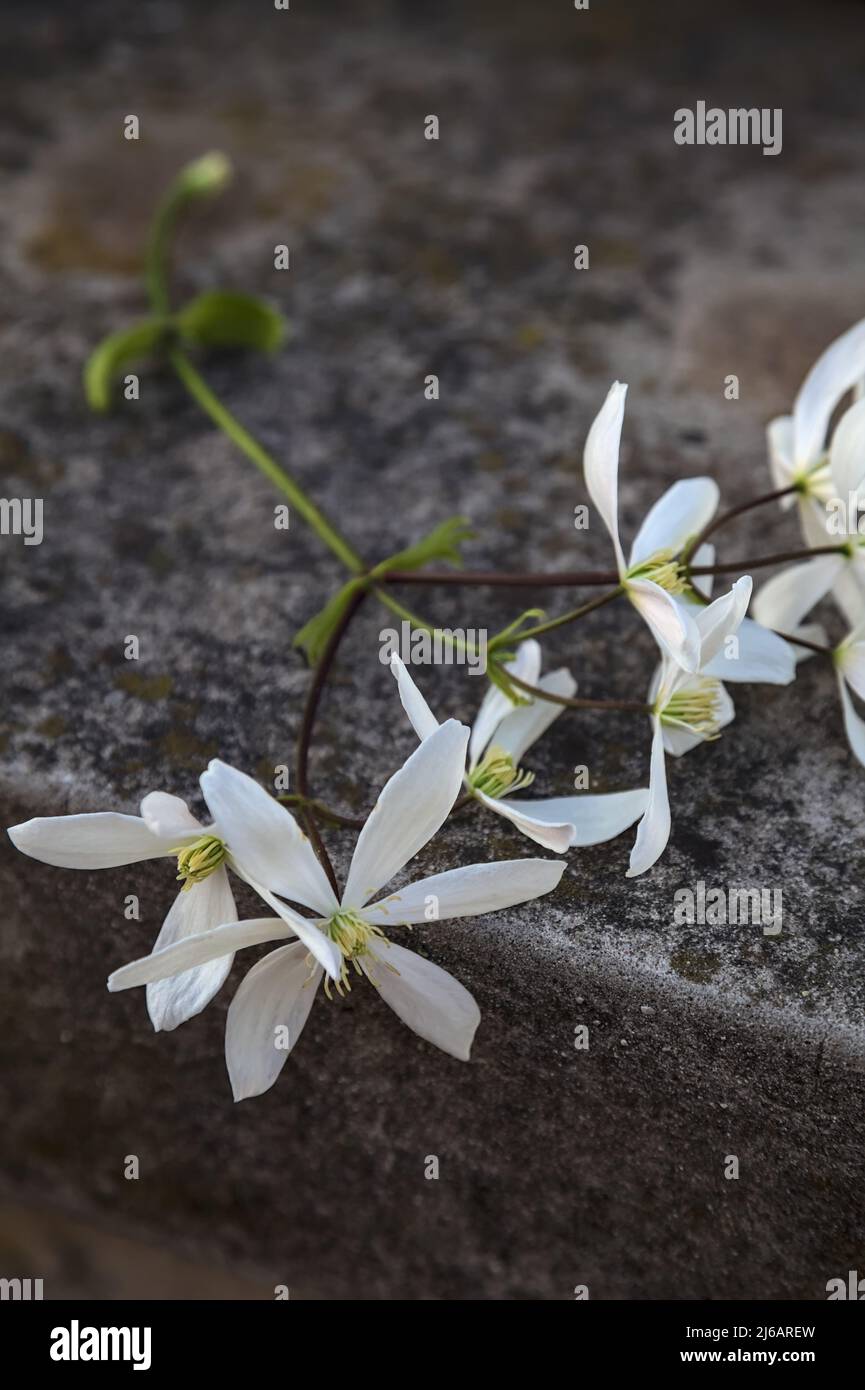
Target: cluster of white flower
pixel 701 641
pixel 825 469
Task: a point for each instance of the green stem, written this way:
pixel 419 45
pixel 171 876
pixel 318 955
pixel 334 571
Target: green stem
pixel 420 624
pixel 240 436
pixel 158 242
pixel 565 618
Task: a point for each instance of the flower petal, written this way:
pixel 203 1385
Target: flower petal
pixel 601 463
pixel 325 951
pixel 192 951
pixel 467 892
pixel 678 516
pixel 762 656
pixel 199 909
pixel 496 706
pixel 671 623
pixel 833 374
pixel 595 816
pixel 809 632
pixel 851 660
pixel 427 999
pixel 779 437
pixel 814 521
pixel 102 840
pixel 721 619
pixel 847 456
pixel 525 724
pixel 556 837
pixel 421 717
pixel 410 809
pixel 266 1018
pixel 786 598
pixel 854 726
pixel 848 592
pixel 169 818
pixel 653 832
pixel 264 838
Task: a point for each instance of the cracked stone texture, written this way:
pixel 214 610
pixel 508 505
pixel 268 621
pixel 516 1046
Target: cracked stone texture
pixel 558 1167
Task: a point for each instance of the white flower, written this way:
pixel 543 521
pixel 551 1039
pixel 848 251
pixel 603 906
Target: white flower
pixel 687 708
pixel 273 1002
pixel 849 659
pixel 250 833
pixel 758 655
pixel 785 599
pixel 501 734
pixel 651 576
pixel 797 442
pixel 653 580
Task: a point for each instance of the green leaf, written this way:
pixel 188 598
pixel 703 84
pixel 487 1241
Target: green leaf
pixel 221 319
pixel 314 635
pixel 116 352
pixel 442 543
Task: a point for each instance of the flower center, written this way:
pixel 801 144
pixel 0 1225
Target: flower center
pixel 198 860
pixel 697 707
pixel 815 481
pixel 497 775
pixel 663 569
pixel 352 934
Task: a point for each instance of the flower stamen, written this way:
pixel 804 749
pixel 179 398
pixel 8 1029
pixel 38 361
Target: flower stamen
pixel 497 775
pixel 697 708
pixel 199 860
pixel 353 935
pixel 662 569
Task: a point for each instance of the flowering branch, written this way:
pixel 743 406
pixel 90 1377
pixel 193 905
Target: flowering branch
pixel 704 642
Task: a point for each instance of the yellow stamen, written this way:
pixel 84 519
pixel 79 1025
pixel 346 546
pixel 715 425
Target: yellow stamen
pixel 663 569
pixel 697 708
pixel 496 774
pixel 199 860
pixel 353 935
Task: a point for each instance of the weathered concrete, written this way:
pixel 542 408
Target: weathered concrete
pixel 558 1167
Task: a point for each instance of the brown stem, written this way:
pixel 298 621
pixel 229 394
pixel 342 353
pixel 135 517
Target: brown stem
pixel 570 703
pixel 322 809
pixel 307 723
pixel 495 579
pixel 742 566
pixel 722 520
pixel 802 642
